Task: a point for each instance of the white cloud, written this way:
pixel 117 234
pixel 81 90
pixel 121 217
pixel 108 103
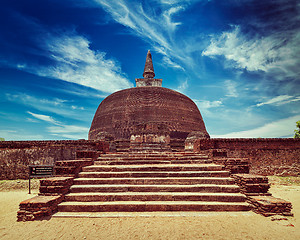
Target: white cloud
pixel 204 104
pixel 32 120
pixel 276 129
pixel 167 15
pixel 44 118
pixel 69 131
pixel 174 2
pixel 170 63
pixel 157 29
pixel 133 16
pixel 231 88
pixel 276 54
pixel 75 61
pixel 75 107
pixel 58 106
pixel 183 86
pixel 279 100
pixel 18 135
pixel 59 129
pixel 22 97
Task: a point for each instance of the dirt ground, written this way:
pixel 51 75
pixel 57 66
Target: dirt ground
pixel 205 226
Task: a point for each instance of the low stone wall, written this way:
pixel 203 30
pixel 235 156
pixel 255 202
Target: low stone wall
pixel 38 207
pixel 252 184
pixel 256 188
pixel 16 156
pixel 267 156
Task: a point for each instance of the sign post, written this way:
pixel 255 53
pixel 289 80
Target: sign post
pixel 39 171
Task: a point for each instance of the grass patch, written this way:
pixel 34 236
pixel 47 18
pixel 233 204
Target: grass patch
pixel 19 184
pixel 289 181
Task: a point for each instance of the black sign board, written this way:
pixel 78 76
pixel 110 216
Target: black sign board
pixel 39 171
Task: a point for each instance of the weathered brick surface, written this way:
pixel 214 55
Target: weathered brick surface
pixel 57 181
pixel 90 154
pixel 38 207
pixel 267 156
pixel 256 187
pixel 269 206
pixel 55 185
pixel 71 167
pixel 120 111
pixel 52 191
pixel 252 184
pixel 234 165
pixel 15 156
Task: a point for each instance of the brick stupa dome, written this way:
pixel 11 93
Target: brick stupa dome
pixel 148 102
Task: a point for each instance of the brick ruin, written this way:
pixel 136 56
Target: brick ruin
pixel 16 156
pixel 148 150
pixel 279 157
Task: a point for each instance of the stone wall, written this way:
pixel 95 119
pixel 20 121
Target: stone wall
pixel 267 156
pixel 15 156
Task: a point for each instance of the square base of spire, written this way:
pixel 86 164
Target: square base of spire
pixel 146 82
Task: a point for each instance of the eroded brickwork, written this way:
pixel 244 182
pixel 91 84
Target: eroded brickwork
pixel 121 111
pixel 267 156
pixel 15 156
pixel 256 188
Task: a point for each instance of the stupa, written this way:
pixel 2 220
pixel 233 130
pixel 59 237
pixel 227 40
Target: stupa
pixel 147 108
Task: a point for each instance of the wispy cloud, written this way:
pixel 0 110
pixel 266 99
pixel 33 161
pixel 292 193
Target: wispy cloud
pixel 69 131
pixel 231 90
pixel 280 128
pixel 44 118
pixel 58 106
pixel 183 86
pixel 19 134
pixel 204 104
pixel 64 54
pixel 60 129
pixel 156 27
pixel 175 2
pixel 276 54
pixel 279 100
pixel 75 61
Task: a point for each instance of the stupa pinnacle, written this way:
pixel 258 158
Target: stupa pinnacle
pixel 148 70
pixel 148 80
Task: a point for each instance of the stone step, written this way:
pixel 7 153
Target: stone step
pixel 150 206
pixel 139 174
pixel 150 148
pixel 152 167
pixel 172 214
pixel 132 162
pixel 154 196
pixel 155 156
pixel 139 181
pixel 65 170
pixel 155 188
pixel 140 159
pixel 152 156
pixel 75 163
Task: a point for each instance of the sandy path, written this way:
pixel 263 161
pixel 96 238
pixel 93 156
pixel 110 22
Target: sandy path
pixel 206 226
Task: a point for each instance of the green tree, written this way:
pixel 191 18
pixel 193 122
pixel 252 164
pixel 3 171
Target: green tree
pixel 297 131
pixel 2 139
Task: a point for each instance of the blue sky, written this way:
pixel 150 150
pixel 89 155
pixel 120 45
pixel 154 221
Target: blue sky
pixel 239 60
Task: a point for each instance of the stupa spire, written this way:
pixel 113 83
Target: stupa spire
pixel 149 70
pixel 148 80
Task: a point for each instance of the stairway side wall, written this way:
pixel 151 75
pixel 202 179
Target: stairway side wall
pixel 15 156
pixel 267 156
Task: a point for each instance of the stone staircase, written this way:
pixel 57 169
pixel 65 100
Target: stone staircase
pixel 151 182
